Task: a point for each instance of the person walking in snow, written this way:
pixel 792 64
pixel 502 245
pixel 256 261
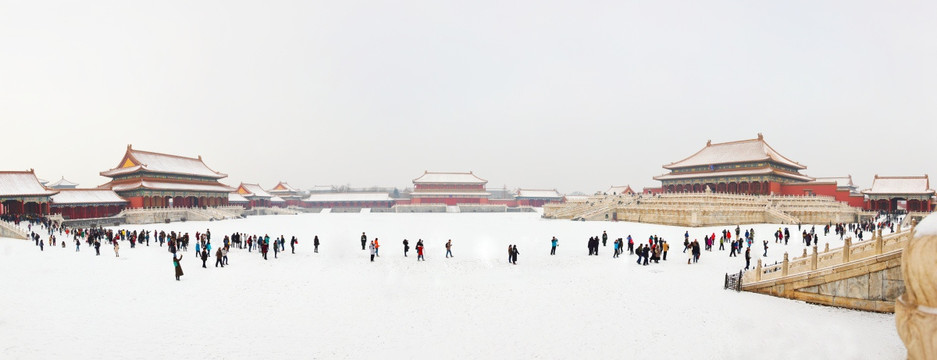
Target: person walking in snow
pixel 178 266
pixel 514 254
pixel 224 255
pixel 276 248
pixel 553 244
pixel 117 248
pixel 364 240
pixel 373 250
pixel 315 244
pixel 77 244
pixel 748 257
pixel 449 249
pixel 419 250
pixel 616 245
pixel 406 247
pixel 218 259
pixel 665 246
pixel 640 252
pixel 377 248
pixel 293 243
pixel 630 245
pixel 766 249
pixel 204 257
pixel 97 247
pixel 604 237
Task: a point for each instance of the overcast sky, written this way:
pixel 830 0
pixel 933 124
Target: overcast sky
pixel 573 95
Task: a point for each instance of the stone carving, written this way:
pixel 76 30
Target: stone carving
pixel 916 310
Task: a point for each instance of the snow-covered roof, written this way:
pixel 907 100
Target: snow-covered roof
pixel 735 152
pixel 253 190
pixel 577 198
pixel 138 160
pixel 283 187
pixel 841 181
pixel 277 199
pixel 21 183
pixel 539 194
pixel 86 196
pixel 62 184
pixel 445 194
pixel 322 188
pixel 235 198
pixel 160 185
pixel 336 197
pixel 620 190
pixel 449 178
pixel 916 185
pixel 763 171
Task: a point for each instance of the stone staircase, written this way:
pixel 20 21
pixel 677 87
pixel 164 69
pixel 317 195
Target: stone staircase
pixel 862 276
pixel 774 215
pixel 9 230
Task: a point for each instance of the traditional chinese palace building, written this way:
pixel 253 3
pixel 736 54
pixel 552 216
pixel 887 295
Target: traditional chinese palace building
pixel 743 167
pixel 537 198
pixel 87 203
pixel 61 184
pixel 353 200
pixel 450 188
pixel 290 195
pixel 887 191
pixel 255 195
pixel 22 194
pixel 148 179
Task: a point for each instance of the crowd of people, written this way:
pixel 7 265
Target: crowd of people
pixel 739 241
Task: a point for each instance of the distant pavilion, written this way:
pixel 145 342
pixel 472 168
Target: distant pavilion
pixel 887 191
pixel 450 188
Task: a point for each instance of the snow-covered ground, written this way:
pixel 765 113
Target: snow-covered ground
pixel 336 304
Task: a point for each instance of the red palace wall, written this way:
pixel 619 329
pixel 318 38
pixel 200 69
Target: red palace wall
pixel 135 202
pixel 449 201
pixel 505 202
pixel 824 189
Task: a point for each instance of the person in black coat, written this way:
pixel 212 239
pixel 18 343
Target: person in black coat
pixel 406 247
pixel 204 257
pixel 514 253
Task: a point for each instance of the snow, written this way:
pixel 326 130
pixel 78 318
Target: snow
pixel 337 304
pixel 255 191
pixel 158 185
pixel 734 152
pixel 86 196
pixel 449 177
pixel 15 183
pixel 900 185
pixel 927 227
pixel 539 194
pixel 331 197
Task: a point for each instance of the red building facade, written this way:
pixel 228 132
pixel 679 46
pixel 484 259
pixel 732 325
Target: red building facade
pixel 450 188
pixel 888 193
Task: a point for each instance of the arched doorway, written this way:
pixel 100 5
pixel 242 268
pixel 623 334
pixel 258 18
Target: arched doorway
pixel 721 187
pixel 732 188
pixel 743 188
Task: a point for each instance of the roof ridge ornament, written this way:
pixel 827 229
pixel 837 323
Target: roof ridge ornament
pixel 760 136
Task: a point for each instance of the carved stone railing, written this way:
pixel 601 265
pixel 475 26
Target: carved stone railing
pixel 850 251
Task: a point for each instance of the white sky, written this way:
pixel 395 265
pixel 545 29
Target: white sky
pixel 573 95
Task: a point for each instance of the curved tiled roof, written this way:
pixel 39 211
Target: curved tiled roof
pixel 735 152
pixel 539 194
pixel 86 196
pixel 161 163
pixel 21 183
pixel 897 185
pixel 762 171
pixel 449 178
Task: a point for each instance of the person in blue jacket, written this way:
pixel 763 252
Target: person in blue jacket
pixel 553 243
